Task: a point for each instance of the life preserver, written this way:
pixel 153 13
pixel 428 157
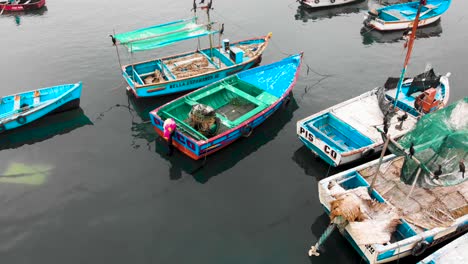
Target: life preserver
pixel 286 101
pixel 246 131
pixel 21 119
pixel 317 1
pixel 420 247
pixel 2 128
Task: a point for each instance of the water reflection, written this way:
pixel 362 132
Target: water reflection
pixel 17 15
pixel 204 169
pixel 371 36
pixel 305 14
pixel 44 128
pixel 142 130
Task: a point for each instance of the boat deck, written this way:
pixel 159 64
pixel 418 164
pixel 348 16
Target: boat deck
pixel 364 114
pixel 426 208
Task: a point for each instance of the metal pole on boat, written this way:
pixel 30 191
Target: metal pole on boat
pixel 208 7
pixel 382 154
pixel 414 184
pixel 117 49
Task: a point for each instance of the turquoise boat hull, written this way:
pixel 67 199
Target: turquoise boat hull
pixel 221 63
pixel 20 109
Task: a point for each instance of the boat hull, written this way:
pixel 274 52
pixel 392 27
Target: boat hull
pixel 402 16
pixel 23 7
pixel 197 151
pixel 191 83
pixel 325 3
pixel 392 26
pixel 68 100
pixel 377 253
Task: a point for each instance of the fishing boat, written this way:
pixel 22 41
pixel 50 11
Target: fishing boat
pixel 215 116
pixel 402 16
pixel 325 3
pixel 453 253
pixel 190 70
pixel 20 109
pixel 21 5
pixel 348 131
pixel 305 13
pixel 404 203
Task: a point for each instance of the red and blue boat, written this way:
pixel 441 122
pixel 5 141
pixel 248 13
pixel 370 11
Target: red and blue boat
pixel 21 5
pixel 215 116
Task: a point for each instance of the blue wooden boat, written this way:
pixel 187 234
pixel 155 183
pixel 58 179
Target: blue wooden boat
pixel 402 16
pixel 186 71
pixel 237 105
pixel 453 253
pixel 23 108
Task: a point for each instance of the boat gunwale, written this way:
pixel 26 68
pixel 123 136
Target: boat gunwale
pixel 137 86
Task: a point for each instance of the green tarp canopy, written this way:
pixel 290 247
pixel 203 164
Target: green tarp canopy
pixel 440 139
pixel 162 35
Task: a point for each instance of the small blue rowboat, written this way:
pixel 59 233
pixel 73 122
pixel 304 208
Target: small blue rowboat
pixel 213 117
pixel 402 16
pixel 23 108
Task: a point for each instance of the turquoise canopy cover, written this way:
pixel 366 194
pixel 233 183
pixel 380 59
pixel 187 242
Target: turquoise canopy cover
pixel 162 35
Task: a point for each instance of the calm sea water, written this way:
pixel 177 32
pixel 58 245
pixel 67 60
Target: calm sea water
pixel 94 186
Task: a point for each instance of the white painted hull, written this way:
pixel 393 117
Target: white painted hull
pixel 401 25
pixel 325 3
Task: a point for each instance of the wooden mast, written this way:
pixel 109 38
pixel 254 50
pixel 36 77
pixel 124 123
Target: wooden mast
pixel 410 49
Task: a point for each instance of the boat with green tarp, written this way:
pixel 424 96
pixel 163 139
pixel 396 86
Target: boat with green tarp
pixel 189 70
pixel 215 116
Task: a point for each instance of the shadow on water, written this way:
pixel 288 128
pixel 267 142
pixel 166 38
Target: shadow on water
pixel 371 36
pixel 17 15
pixel 204 169
pixel 305 13
pixel 44 128
pixel 314 166
pixel 140 121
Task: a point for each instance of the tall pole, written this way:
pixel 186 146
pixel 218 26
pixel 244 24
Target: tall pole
pixel 410 49
pixel 382 154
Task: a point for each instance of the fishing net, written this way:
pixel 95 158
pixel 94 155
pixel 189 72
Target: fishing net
pixel 440 143
pixel 203 119
pixel 420 83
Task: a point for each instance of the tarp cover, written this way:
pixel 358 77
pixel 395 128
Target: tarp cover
pixel 441 145
pixel 162 35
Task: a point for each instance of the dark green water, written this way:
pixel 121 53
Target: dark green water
pixel 103 191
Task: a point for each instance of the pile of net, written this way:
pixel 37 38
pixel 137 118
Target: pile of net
pixel 420 83
pixel 367 221
pixel 189 65
pixel 203 119
pixel 155 78
pixel 440 142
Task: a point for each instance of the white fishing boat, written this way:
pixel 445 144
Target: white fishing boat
pixel 325 3
pixel 406 202
pixel 402 16
pixel 348 131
